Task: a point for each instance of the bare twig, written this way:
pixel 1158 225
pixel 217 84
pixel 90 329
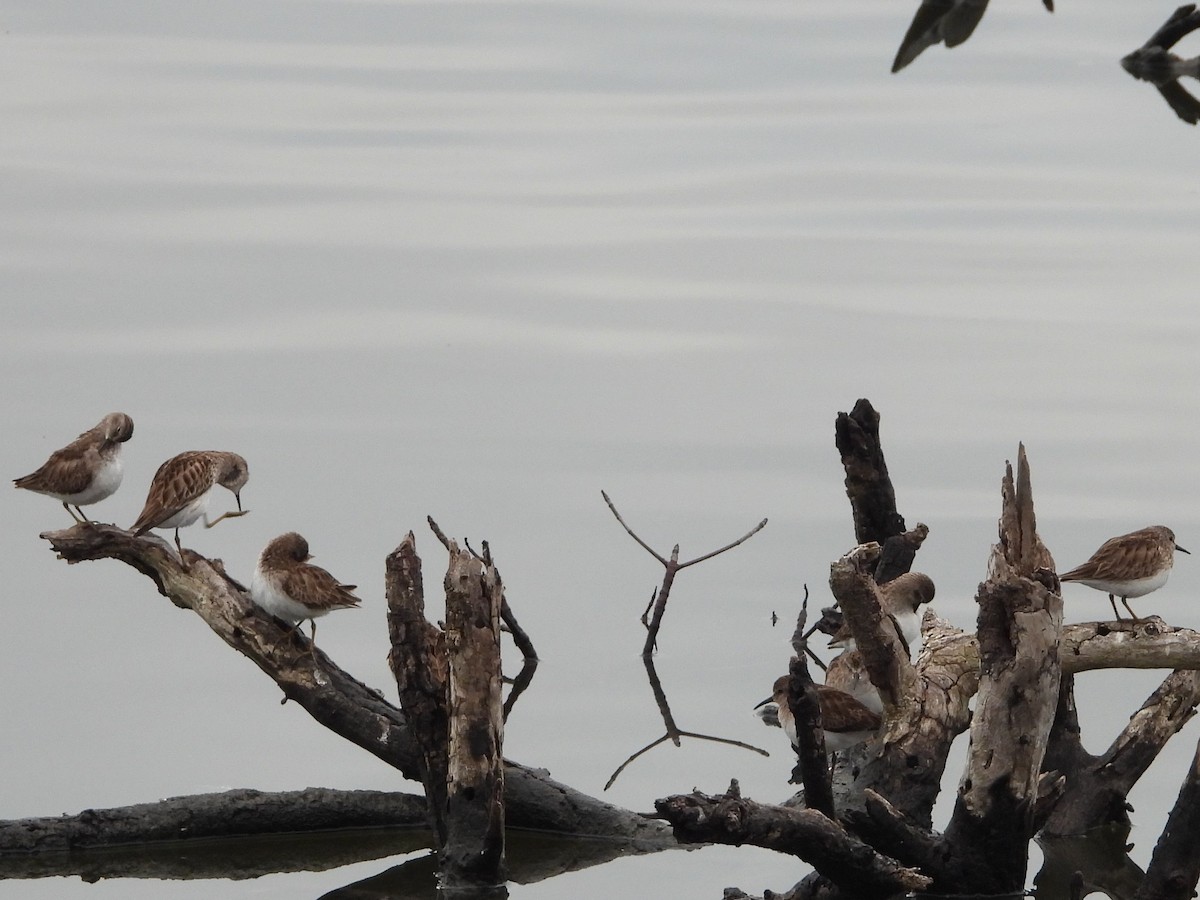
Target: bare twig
pixel 672 566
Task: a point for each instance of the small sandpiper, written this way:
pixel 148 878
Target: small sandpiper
pixel 287 586
pixel 845 721
pixel 1130 565
pixel 85 471
pixel 902 597
pixel 180 490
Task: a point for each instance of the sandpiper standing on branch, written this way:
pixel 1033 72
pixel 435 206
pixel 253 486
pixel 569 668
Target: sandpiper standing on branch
pixel 845 721
pixel 1130 565
pixel 85 471
pixel 180 490
pixel 287 586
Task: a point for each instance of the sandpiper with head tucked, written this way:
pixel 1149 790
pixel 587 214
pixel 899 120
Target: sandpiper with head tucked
pixel 1130 565
pixel 902 597
pixel 85 471
pixel 181 487
pixel 847 672
pixel 287 586
pixel 845 721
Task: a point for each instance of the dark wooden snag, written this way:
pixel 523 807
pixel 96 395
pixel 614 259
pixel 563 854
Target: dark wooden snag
pixel 868 485
pixel 1020 619
pixel 419 664
pixel 1175 866
pixel 474 850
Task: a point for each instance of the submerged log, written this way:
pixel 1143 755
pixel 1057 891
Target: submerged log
pixel 1175 866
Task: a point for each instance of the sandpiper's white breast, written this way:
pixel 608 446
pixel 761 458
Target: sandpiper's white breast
pixel 266 593
pixel 188 514
pixel 105 481
pixel 1134 587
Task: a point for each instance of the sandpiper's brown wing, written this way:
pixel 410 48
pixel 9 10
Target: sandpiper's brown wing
pixel 1138 554
pixel 841 712
pixel 67 471
pixel 178 481
pixel 315 588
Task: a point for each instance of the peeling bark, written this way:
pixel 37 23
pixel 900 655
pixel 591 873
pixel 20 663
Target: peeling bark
pixel 474 849
pixel 1020 618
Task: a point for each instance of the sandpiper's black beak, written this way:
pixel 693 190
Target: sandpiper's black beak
pixel 1181 550
pixel 764 703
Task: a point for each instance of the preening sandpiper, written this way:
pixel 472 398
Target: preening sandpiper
pixel 181 487
pixel 85 471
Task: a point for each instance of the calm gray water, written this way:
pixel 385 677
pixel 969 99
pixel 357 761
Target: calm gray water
pixel 480 260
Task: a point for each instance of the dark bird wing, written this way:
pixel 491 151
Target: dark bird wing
pixel 952 21
pixel 1185 105
pixel 178 481
pixel 67 471
pixel 315 588
pixel 1123 557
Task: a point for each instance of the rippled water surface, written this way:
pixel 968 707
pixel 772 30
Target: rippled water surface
pixel 480 260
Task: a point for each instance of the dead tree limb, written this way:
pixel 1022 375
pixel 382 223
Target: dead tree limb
pixel 843 859
pixel 1175 866
pixel 331 696
pixel 1020 619
pixel 672 566
pixel 868 485
pixel 236 813
pixel 1097 786
pixel 474 849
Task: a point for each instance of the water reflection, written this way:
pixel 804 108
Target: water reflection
pixel 674 733
pixel 1154 63
pixel 531 857
pixel 1078 865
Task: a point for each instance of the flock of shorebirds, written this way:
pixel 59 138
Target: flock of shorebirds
pixel 1130 565
pixel 89 469
pixel 288 586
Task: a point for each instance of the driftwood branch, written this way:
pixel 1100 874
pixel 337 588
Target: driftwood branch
pixel 672 566
pixel 729 819
pixel 331 696
pixel 1097 786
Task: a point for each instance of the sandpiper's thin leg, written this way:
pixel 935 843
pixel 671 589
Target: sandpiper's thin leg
pixel 1130 608
pixel 313 647
pixel 178 546
pixel 72 512
pixel 1113 601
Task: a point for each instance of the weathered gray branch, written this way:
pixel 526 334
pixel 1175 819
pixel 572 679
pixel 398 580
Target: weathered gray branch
pixel 868 485
pixel 1020 618
pixel 330 695
pixel 1175 866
